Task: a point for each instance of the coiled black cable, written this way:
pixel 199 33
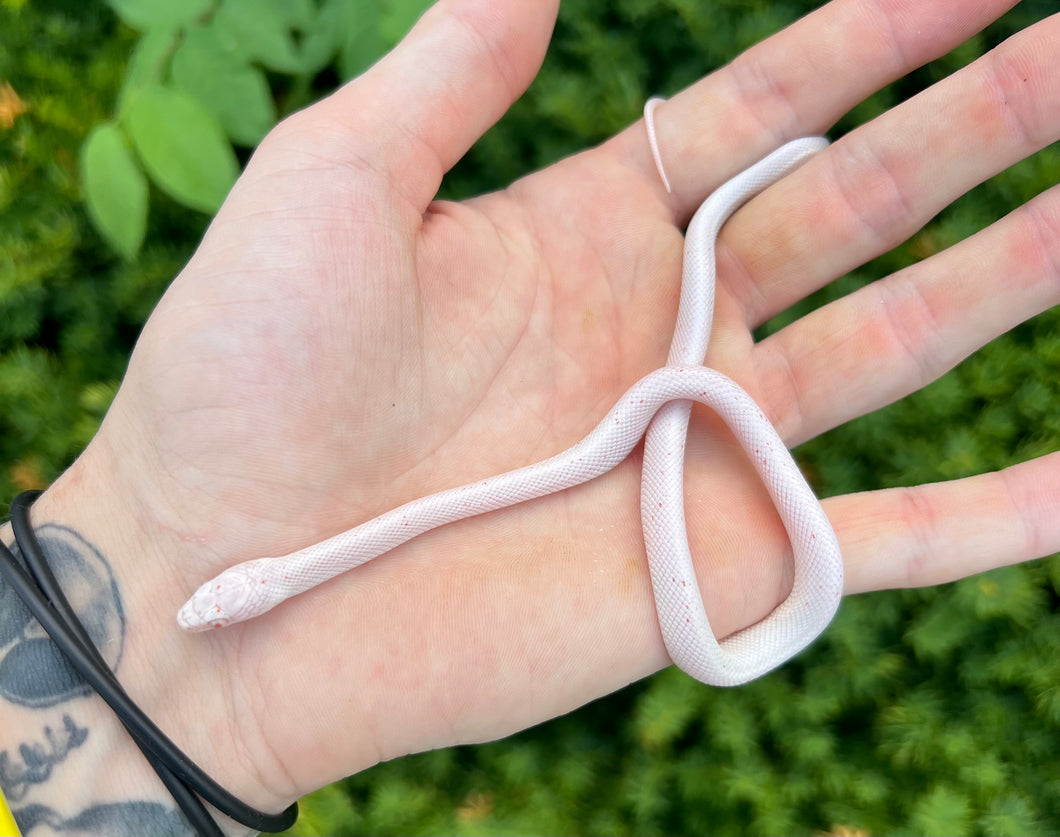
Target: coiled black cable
pixel 40 573
pixel 36 585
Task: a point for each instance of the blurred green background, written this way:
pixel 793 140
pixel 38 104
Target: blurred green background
pixel 919 712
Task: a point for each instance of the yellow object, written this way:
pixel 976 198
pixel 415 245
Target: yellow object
pixel 11 107
pixel 8 826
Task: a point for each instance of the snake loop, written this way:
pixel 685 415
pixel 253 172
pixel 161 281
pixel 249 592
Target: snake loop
pixel 659 404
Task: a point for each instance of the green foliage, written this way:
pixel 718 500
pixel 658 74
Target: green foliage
pixel 198 82
pixel 927 712
pixel 146 14
pixel 327 811
pixel 115 189
pixel 182 146
pixel 236 92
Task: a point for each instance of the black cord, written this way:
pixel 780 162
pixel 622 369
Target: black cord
pixel 191 806
pixel 182 777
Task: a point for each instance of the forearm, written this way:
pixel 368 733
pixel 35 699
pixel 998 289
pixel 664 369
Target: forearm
pixel 66 762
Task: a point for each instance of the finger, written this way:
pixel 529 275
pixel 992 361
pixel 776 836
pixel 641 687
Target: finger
pixel 414 114
pixel 882 182
pixel 898 334
pixel 796 83
pixel 931 534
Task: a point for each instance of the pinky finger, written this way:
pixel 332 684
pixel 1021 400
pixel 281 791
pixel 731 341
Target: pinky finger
pixel 940 532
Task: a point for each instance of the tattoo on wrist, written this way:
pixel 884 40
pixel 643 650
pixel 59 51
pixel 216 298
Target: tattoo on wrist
pixel 34 762
pixel 36 678
pixel 33 672
pixel 118 819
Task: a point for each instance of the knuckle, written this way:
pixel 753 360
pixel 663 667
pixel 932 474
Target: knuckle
pixel 1041 236
pixel 783 396
pixel 914 329
pixel 918 517
pixel 763 97
pixel 869 184
pixel 1021 93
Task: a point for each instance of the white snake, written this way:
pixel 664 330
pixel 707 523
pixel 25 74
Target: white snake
pixel 659 403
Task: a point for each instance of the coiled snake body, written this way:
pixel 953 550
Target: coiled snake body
pixel 658 404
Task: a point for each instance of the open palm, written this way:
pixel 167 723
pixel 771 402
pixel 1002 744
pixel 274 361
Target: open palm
pixel 341 344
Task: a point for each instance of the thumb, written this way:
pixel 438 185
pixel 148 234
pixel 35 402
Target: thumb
pixel 415 113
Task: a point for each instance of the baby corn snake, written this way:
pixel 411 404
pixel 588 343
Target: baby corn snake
pixel 658 405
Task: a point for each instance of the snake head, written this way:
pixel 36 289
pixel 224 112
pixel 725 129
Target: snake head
pixel 217 603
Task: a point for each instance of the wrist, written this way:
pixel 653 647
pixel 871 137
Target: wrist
pixel 64 758
pixel 66 754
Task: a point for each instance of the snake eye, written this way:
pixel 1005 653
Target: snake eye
pixel 203 611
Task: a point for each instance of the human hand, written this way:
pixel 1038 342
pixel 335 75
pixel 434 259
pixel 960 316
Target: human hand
pixel 340 345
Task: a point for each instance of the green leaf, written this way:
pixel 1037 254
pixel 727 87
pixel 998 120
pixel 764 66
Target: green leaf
pixel 147 14
pixel 259 31
pixel 115 189
pixel 372 28
pixel 234 91
pixel 324 35
pixel 182 146
pixel 363 43
pixel 398 18
pixel 288 36
pixel 298 13
pixel 148 63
